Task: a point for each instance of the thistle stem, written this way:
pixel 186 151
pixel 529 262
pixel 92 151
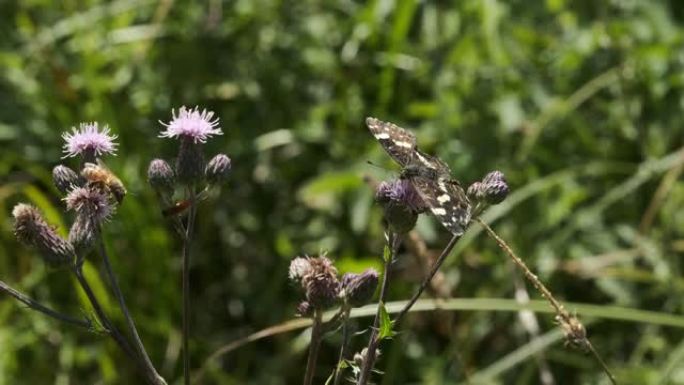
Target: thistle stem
pixel 343 348
pixel 35 305
pixel 316 338
pixel 369 361
pixel 186 284
pixel 102 316
pixel 426 281
pixel 149 368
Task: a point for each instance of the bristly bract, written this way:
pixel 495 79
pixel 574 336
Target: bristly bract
pixel 429 175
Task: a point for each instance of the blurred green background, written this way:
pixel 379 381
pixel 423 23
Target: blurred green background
pixel 579 103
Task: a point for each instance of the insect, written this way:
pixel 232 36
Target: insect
pixel 100 176
pixel 177 208
pixel 429 175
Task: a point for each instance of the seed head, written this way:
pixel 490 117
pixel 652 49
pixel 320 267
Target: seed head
pixel 64 178
pixel 217 169
pixel 358 289
pixel 31 229
pixel 89 141
pixel 318 278
pixel 192 124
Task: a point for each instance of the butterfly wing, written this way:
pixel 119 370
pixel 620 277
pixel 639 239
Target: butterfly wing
pixel 399 143
pixel 447 201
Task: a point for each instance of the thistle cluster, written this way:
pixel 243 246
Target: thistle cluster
pixel 192 128
pixel 92 194
pixel 322 288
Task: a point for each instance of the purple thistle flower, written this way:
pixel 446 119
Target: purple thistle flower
pixel 89 140
pixel 400 191
pixel 91 203
pixel 194 124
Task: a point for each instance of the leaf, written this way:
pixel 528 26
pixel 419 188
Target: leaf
pixel 386 331
pixel 386 254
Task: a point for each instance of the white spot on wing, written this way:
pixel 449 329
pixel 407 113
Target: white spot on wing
pixel 382 135
pixel 438 211
pixel 403 144
pixel 443 198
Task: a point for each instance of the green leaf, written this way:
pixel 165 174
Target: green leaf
pixel 386 331
pixel 386 254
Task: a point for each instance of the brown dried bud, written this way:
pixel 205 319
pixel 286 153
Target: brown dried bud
pixel 318 278
pixel 31 229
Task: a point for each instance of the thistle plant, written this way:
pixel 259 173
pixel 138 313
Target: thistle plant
pixel 425 185
pixel 92 195
pixel 193 176
pixel 323 289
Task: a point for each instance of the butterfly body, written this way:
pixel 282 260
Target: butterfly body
pixel 429 175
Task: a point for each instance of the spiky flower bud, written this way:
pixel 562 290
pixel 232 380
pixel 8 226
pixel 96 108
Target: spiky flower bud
pixel 358 289
pixel 475 192
pixel 190 161
pixel 495 188
pixel 64 178
pixel 82 235
pixel 304 309
pixel 402 204
pixel 318 278
pixel 161 177
pixel 217 169
pixel 31 229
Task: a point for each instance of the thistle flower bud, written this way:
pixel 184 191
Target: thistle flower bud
pixel 318 278
pixel 358 289
pixel 494 187
pixel 190 161
pixel 360 357
pixel 64 178
pixel 31 229
pixel 217 169
pixel 83 234
pixel 402 204
pixel 161 177
pixel 304 309
pixel 475 191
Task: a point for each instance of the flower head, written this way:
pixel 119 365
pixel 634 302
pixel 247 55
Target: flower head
pixel 194 124
pixel 91 203
pixel 400 191
pixel 89 140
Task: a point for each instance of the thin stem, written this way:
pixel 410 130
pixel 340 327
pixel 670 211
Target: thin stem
pixel 140 348
pixel 343 348
pixel 426 281
pixel 316 334
pixel 369 361
pixel 102 316
pixel 574 330
pixel 35 305
pixel 186 285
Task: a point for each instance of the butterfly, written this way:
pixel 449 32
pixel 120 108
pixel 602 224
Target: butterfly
pixel 428 175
